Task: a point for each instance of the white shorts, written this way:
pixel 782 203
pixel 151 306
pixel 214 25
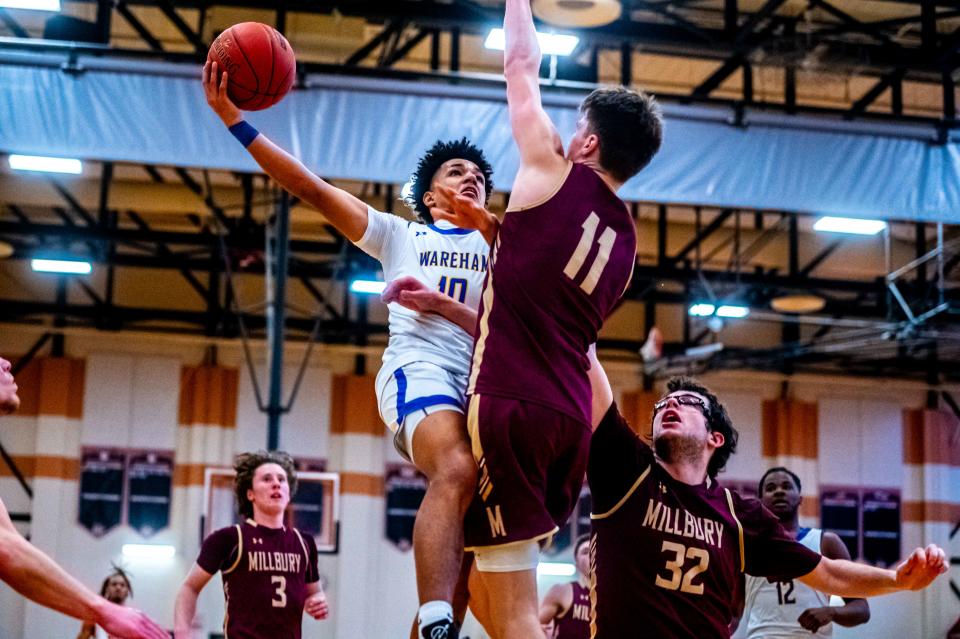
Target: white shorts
pixel 408 394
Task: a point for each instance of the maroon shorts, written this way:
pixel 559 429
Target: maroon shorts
pixel 532 463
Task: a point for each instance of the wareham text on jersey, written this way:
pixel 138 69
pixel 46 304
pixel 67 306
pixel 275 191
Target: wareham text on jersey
pixel 454 259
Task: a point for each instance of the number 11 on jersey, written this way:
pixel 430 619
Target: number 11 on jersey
pixel 607 238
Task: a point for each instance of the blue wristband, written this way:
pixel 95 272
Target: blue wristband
pixel 244 132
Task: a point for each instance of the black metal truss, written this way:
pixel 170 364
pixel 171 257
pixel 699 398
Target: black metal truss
pixel 738 40
pixel 122 239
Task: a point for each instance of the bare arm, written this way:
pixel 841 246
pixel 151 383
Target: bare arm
pixel 849 579
pixel 346 212
pixel 37 577
pixel 541 152
pixel 185 607
pixel 600 385
pixel 411 293
pixel 559 598
pixel 853 613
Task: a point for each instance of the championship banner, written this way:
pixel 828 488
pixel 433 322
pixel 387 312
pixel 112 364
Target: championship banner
pixel 404 491
pixel 307 506
pixel 881 526
pixel 149 481
pixel 101 489
pixel 840 514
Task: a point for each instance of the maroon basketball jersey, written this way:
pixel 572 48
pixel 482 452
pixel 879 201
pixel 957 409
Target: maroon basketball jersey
pixel 556 271
pixel 575 622
pixel 667 556
pixel 265 576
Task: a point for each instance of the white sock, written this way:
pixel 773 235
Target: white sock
pixel 434 611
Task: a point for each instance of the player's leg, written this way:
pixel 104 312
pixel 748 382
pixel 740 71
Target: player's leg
pixel 513 595
pixel 442 452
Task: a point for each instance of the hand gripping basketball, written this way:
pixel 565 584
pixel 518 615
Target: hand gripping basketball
pixel 260 62
pixel 217 97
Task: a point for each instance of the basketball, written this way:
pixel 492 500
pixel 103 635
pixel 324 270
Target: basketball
pixel 259 61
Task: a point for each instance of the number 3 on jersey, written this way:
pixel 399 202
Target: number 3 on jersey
pixel 607 238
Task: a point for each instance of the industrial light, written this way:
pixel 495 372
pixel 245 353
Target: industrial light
pixel 37 5
pixel 44 164
pixel 72 267
pixel 149 551
pixel 732 310
pixel 370 287
pixel 549 569
pixel 702 309
pixel 550 43
pixel 849 225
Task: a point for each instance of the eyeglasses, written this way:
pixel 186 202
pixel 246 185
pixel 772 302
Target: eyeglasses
pixel 683 400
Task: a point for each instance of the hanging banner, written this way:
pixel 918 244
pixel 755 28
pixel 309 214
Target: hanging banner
pixel 101 489
pixel 307 506
pixel 149 481
pixel 881 526
pixel 840 514
pixel 405 488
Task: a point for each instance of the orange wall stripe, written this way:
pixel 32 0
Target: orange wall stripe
pixel 930 511
pixel 929 437
pixel 361 484
pixel 353 407
pixel 188 474
pixel 208 396
pixel 52 386
pixel 45 466
pixel 790 428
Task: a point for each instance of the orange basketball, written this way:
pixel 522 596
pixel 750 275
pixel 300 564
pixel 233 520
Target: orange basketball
pixel 259 62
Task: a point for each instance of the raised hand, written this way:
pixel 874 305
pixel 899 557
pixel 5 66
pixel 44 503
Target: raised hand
pixel 920 569
pixel 316 606
pixel 464 212
pixel 216 93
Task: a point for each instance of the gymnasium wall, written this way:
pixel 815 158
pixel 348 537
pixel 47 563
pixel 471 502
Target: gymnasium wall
pixel 152 393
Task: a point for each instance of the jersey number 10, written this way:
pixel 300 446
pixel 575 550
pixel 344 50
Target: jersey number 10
pixel 455 287
pixel 607 238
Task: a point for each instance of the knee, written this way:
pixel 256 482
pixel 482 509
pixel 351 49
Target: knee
pixel 458 473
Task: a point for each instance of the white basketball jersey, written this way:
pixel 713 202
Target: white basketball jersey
pixel 445 258
pixel 771 610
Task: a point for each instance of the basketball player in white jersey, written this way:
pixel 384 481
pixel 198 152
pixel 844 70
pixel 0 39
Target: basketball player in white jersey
pixel 791 609
pixel 421 386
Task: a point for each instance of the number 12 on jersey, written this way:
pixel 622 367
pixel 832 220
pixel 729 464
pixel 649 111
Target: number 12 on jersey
pixel 607 238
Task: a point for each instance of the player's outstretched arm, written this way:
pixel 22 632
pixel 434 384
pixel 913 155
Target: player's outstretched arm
pixel 466 213
pixel 346 212
pixel 185 607
pixel 37 577
pixel 541 150
pixel 854 612
pixel 559 598
pixel 600 387
pixel 849 579
pixel 411 293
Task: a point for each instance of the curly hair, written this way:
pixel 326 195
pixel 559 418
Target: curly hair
pixel 246 466
pixel 117 572
pixel 629 125
pixel 717 421
pixel 778 469
pixel 430 163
